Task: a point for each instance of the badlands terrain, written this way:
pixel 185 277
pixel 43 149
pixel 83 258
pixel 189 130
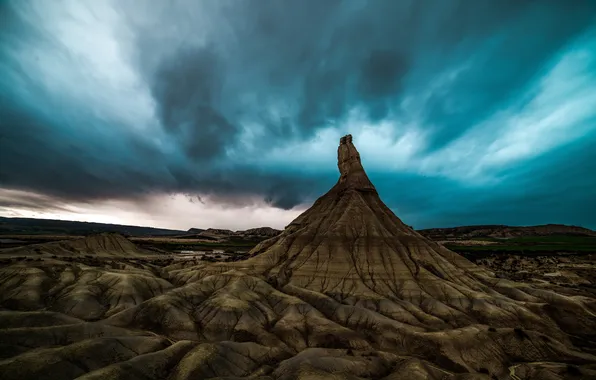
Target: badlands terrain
pixel 345 291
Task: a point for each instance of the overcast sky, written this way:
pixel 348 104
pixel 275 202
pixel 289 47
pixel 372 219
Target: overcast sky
pixel 228 114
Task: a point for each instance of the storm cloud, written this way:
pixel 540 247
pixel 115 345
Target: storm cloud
pixel 464 112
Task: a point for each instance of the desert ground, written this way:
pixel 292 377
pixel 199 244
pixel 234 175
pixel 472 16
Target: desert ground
pixel 345 291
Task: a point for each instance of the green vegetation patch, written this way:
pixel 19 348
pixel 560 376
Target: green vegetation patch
pixel 537 247
pixel 531 244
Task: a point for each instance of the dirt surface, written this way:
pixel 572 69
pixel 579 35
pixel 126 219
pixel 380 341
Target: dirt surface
pixel 571 270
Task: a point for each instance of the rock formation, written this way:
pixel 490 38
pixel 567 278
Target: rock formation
pixel 259 232
pixel 346 291
pixel 223 235
pixel 195 230
pixel 104 244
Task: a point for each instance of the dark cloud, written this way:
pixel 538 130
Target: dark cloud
pixel 221 73
pixel 187 89
pixel 69 167
pixel 321 59
pixel 552 188
pixel 35 160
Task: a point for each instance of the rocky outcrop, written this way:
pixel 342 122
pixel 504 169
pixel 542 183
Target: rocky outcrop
pixel 195 230
pixel 260 232
pixel 216 233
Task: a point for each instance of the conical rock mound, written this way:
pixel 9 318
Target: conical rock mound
pixel 350 243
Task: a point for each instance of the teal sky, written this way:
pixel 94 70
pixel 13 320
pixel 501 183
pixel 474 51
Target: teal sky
pixel 228 113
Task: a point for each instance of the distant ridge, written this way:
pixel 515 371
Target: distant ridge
pixel 31 226
pixel 503 231
pixel 195 230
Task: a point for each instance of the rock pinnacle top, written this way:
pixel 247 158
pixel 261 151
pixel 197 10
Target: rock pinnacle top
pixel 350 167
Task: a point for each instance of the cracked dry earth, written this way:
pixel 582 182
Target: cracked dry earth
pixel 347 291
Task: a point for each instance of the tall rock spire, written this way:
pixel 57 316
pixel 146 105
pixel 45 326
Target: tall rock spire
pixel 349 241
pixel 352 174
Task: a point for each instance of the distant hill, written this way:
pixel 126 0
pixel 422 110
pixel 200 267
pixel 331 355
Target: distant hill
pixel 195 230
pixel 265 232
pixel 31 226
pixel 258 233
pixel 502 231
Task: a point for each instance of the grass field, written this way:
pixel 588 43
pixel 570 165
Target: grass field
pixel 531 244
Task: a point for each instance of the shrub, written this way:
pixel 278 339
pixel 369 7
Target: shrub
pixel 492 329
